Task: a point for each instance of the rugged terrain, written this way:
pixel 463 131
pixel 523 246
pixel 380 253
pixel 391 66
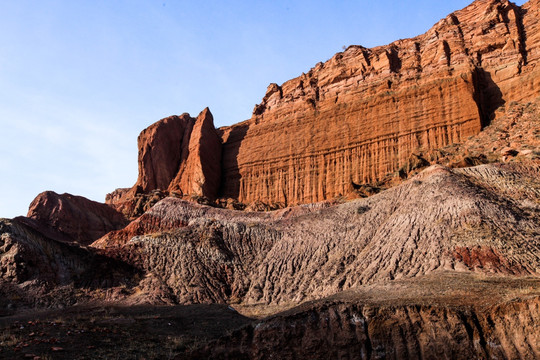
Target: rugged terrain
pixel 475 219
pixel 436 317
pixel 449 257
pixel 404 184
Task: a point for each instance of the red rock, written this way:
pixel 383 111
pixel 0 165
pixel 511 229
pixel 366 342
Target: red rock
pixel 162 147
pixel 132 204
pixel 200 172
pixel 508 151
pixel 484 258
pixel 179 154
pixel 360 116
pixel 74 218
pixel 146 223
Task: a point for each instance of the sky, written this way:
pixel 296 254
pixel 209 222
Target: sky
pixel 80 79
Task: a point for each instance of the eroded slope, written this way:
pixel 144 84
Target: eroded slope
pixel 442 219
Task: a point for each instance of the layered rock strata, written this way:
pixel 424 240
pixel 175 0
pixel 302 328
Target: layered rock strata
pixel 360 115
pixel 356 118
pixel 399 321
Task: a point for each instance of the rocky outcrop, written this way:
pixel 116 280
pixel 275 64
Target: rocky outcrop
pixel 200 173
pixel 162 147
pixel 480 219
pixel 72 218
pixel 443 265
pixel 359 116
pixel 178 154
pixel 512 136
pixel 408 323
pixel 40 271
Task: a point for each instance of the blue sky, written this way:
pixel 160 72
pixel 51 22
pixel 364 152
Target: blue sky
pixel 80 79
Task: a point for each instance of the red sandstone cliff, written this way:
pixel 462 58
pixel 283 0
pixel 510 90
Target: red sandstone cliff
pixel 358 117
pixel 200 170
pixel 177 154
pixel 162 147
pixel 180 154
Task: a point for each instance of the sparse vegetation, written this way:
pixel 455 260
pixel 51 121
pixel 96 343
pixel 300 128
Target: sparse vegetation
pixel 362 209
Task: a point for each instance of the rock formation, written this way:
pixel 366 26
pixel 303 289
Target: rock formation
pixel 178 154
pixel 162 147
pixel 400 320
pixel 358 117
pixel 35 269
pixel 440 258
pixel 72 218
pixel 200 171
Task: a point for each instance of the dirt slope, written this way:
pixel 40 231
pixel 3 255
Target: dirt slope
pixel 481 219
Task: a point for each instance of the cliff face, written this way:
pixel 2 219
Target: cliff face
pixel 360 115
pixel 355 119
pixel 180 154
pixel 200 170
pixel 445 264
pixel 161 148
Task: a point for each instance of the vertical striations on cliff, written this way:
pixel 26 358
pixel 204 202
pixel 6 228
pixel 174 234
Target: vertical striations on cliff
pixel 356 118
pixel 360 115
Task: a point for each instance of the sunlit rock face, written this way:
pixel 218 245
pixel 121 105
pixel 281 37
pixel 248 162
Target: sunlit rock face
pixel 360 115
pixel 354 119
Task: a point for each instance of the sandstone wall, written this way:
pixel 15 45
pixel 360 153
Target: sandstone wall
pixel 161 148
pixel 360 115
pixel 200 168
pixel 347 330
pixel 177 154
pixel 357 118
